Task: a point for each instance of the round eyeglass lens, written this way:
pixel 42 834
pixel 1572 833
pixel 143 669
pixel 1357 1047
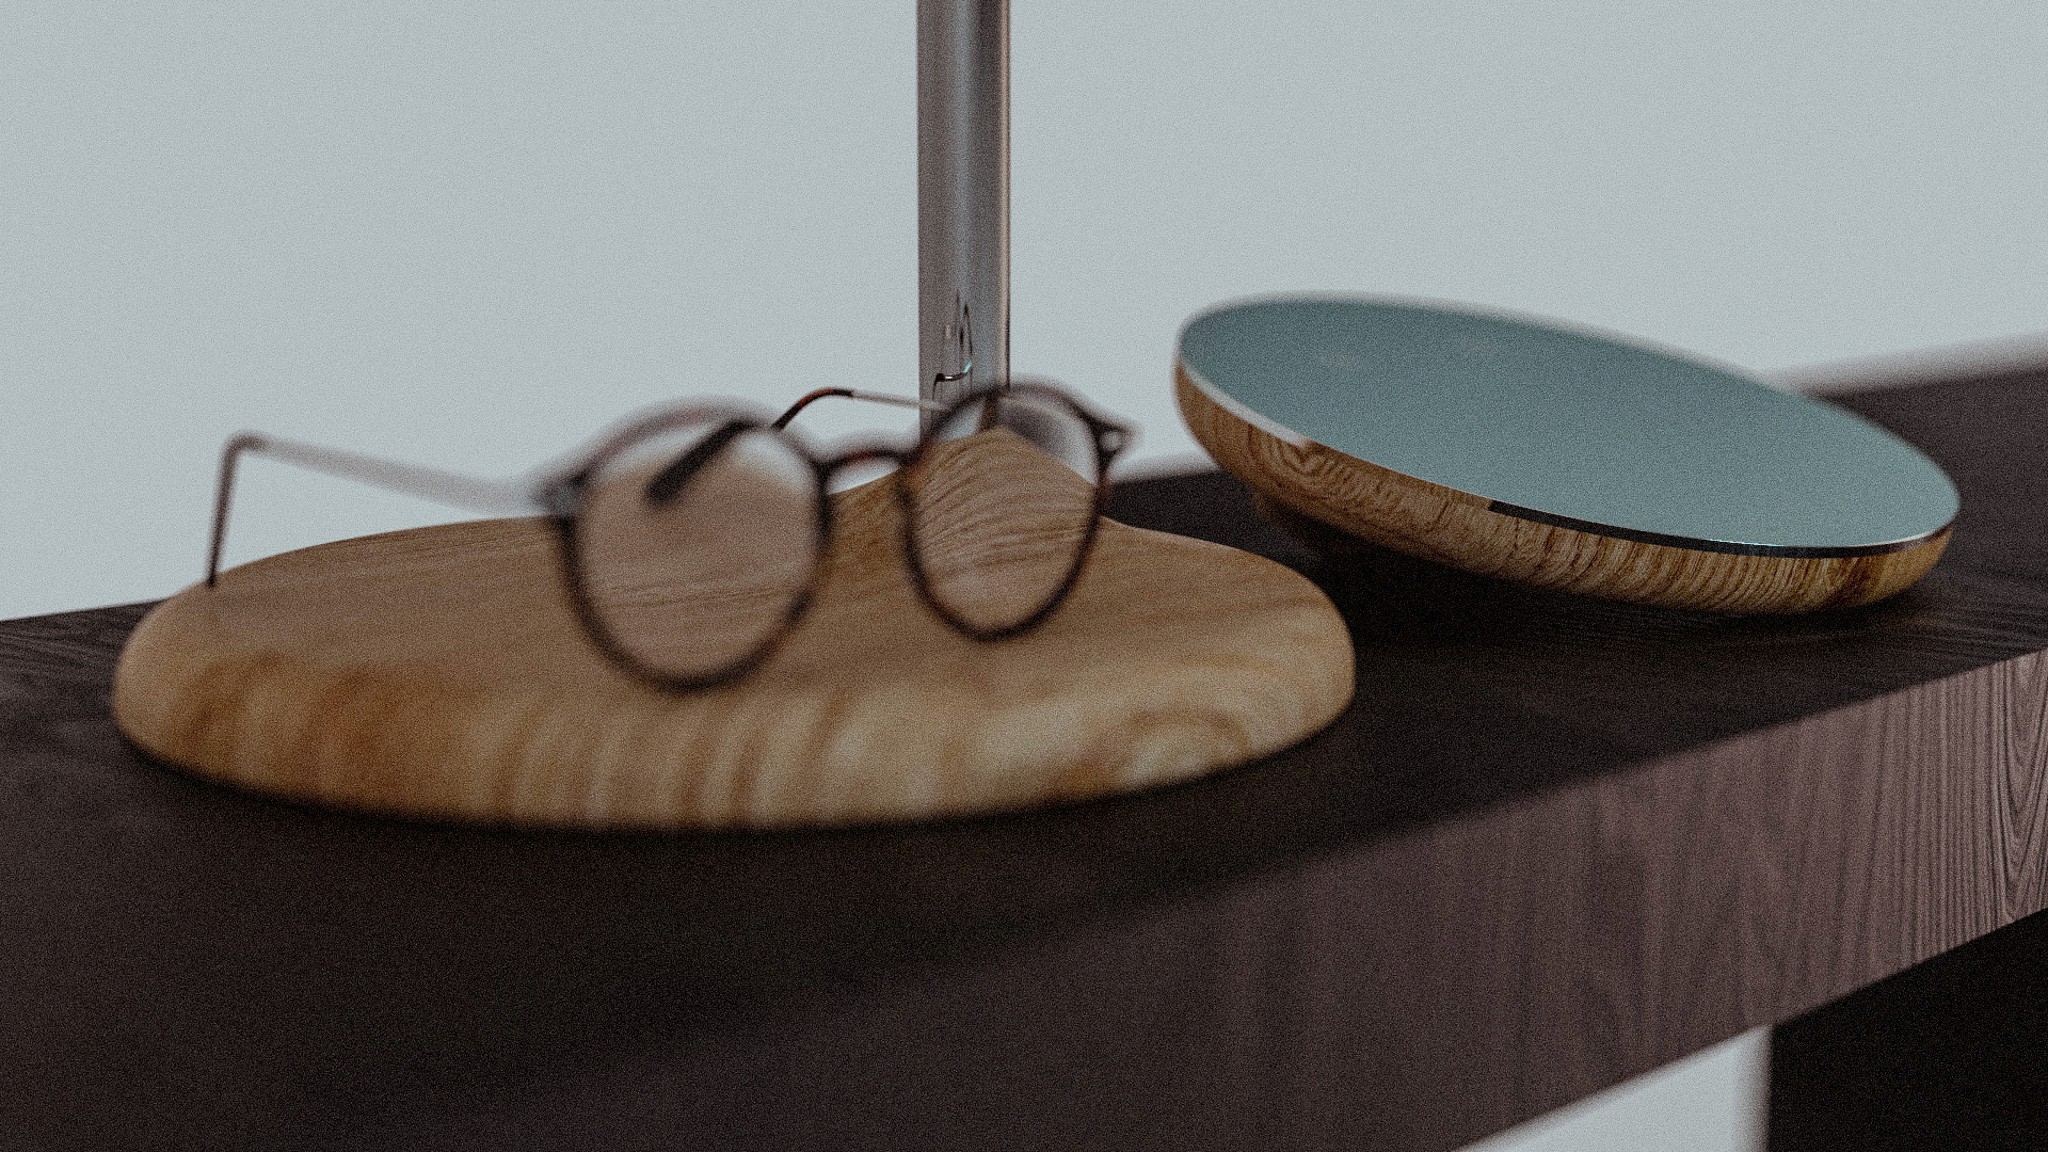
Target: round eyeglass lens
pixel 1002 502
pixel 696 544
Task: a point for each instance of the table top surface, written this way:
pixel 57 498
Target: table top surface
pixel 1272 957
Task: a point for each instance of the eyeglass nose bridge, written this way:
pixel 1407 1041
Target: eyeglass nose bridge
pixel 827 469
pixel 560 496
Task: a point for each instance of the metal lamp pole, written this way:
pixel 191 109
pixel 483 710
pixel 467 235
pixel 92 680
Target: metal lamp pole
pixel 963 195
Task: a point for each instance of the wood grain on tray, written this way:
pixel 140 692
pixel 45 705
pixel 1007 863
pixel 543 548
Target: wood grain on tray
pixel 1338 491
pixel 440 673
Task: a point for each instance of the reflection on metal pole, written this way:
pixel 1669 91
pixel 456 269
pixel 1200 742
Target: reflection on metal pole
pixel 963 195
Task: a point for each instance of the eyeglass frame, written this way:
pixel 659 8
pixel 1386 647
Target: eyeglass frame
pixel 558 494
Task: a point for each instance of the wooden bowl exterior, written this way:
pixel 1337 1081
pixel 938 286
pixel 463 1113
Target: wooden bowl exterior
pixel 1444 525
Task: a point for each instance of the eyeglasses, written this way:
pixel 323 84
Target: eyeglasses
pixel 692 538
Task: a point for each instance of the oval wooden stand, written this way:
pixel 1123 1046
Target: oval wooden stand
pixel 438 673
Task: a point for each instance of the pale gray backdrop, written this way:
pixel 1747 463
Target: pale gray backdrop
pixel 473 233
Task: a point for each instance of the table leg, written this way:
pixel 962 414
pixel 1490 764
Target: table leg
pixel 1951 1054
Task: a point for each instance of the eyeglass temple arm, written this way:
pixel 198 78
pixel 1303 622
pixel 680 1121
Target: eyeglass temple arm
pixel 411 479
pixel 808 398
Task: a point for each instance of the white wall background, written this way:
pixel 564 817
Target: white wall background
pixel 472 233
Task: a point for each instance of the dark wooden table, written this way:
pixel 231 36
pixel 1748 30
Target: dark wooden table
pixel 1553 844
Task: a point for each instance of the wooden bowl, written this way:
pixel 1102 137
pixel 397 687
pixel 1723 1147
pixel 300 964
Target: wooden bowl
pixel 1528 451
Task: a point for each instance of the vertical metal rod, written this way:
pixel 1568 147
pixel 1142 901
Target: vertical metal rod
pixel 963 195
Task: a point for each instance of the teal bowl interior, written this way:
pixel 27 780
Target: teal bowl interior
pixel 1570 427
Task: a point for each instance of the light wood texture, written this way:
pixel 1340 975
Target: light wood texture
pixel 439 673
pixel 1430 521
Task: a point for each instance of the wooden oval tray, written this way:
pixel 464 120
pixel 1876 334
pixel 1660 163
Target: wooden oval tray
pixel 1530 452
pixel 438 673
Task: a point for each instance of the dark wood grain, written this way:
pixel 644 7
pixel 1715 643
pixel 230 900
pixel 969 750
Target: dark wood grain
pixel 1952 1053
pixel 1554 843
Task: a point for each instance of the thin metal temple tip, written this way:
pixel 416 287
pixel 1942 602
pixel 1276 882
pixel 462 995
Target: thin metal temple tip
pixel 230 455
pixel 898 401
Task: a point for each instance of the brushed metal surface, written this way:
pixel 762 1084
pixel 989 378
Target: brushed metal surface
pixel 963 195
